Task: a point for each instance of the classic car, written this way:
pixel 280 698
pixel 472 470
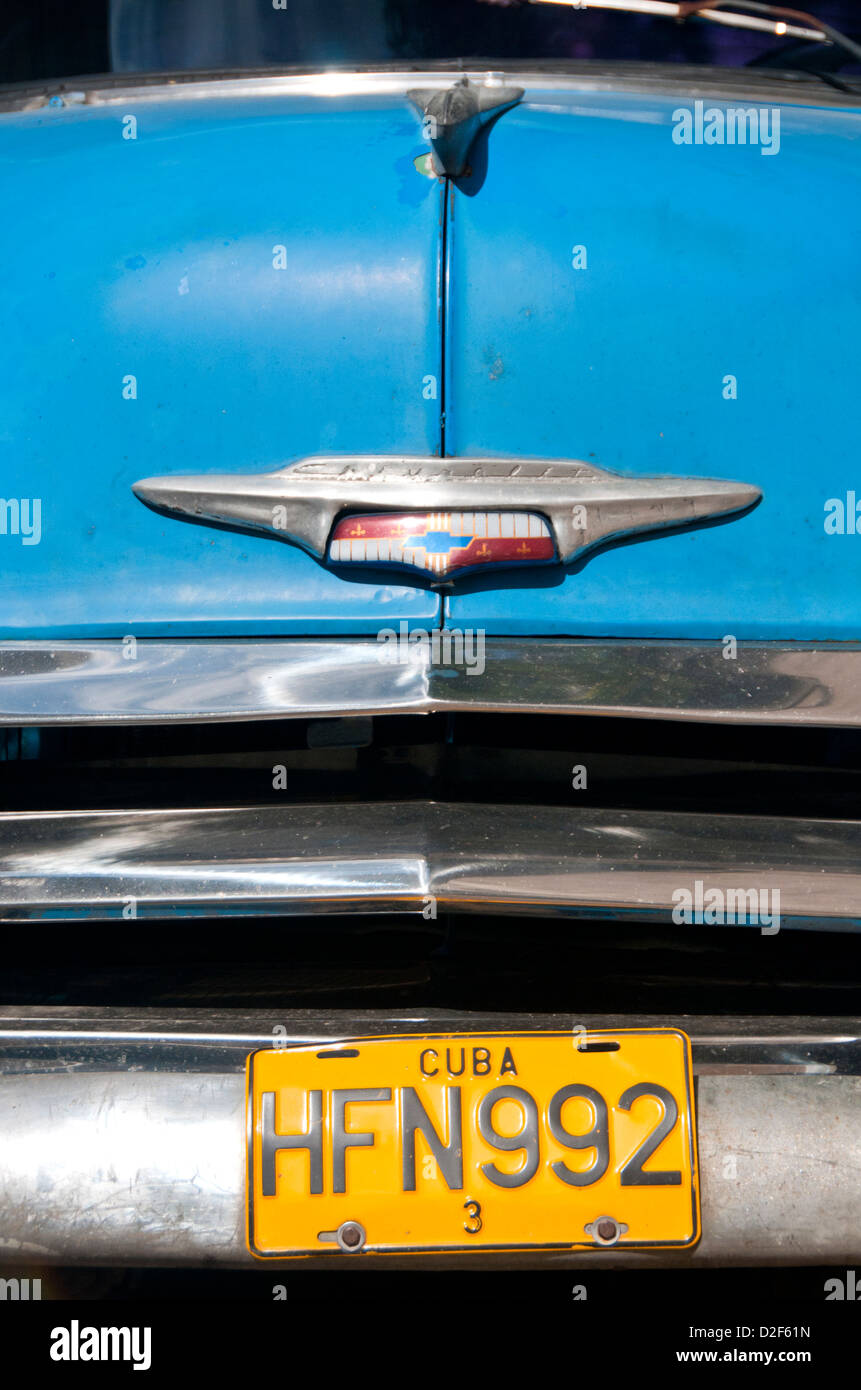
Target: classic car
pixel 430 682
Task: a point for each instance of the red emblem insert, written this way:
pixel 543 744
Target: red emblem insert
pixel 441 543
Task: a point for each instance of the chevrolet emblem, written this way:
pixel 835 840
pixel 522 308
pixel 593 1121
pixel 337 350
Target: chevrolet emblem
pixel 440 517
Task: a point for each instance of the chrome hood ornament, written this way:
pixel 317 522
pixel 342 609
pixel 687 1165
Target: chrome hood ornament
pixel 437 517
pixel 452 118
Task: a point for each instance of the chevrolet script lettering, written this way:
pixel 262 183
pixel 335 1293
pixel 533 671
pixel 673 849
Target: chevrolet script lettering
pixel 438 517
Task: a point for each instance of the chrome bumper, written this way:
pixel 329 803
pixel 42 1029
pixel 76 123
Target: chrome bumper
pixel 123 1135
pixel 358 857
pixel 94 682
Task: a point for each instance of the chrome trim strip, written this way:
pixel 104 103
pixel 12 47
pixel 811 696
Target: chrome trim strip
pixel 127 1147
pixel 540 80
pixel 191 680
pixel 372 857
pixel 220 1039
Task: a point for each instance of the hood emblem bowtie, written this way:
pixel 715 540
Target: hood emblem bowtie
pixel 442 517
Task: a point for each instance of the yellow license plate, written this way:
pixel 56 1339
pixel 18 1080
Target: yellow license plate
pixel 463 1141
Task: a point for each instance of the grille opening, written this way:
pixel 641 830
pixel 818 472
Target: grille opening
pixel 492 961
pixel 630 764
pixel 478 963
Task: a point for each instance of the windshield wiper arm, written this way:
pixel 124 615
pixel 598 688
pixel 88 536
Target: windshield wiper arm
pixel 766 19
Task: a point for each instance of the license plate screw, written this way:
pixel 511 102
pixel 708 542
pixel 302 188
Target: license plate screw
pixel 350 1236
pixel 606 1230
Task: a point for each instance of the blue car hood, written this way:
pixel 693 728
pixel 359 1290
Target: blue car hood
pixel 241 283
pixel 251 280
pixel 659 307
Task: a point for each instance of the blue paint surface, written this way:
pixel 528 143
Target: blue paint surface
pixel 153 258
pixel 702 261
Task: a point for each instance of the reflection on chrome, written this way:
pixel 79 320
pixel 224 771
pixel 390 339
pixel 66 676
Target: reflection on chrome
pixel 125 1130
pixel 90 682
pixel 391 855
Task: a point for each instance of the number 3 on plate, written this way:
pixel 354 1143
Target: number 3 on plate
pixel 474 1224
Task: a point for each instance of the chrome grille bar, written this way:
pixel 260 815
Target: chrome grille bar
pixel 413 856
pixel 94 682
